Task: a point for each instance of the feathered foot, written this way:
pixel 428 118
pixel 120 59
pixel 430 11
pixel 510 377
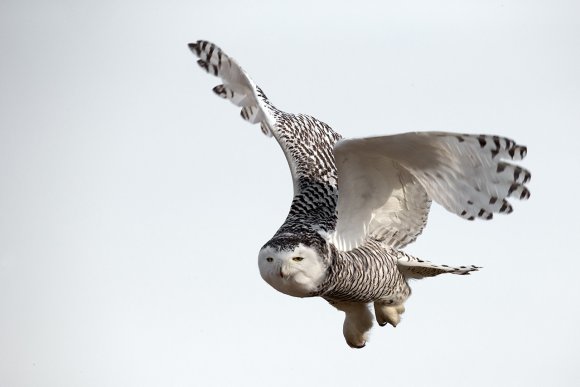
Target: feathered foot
pixel 388 313
pixel 358 321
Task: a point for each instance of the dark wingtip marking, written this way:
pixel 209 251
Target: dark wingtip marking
pixel 492 200
pixel 500 167
pixel 471 218
pixel 523 151
pixel 210 53
pixel 463 213
pixel 220 90
pixel 512 152
pixel 481 212
pixel 513 187
pixel 481 140
pixel 506 207
pixel 202 64
pixel 193 47
pixel 489 216
pixel 461 139
pixel 525 194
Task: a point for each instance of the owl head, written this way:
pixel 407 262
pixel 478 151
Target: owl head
pixel 294 265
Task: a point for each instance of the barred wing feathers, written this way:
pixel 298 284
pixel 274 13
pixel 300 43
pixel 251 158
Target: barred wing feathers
pixel 237 85
pixel 385 183
pixel 306 142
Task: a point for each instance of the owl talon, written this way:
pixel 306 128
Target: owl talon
pixel 357 346
pixel 358 321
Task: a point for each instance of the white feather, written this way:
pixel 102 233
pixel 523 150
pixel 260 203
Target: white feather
pixel 386 183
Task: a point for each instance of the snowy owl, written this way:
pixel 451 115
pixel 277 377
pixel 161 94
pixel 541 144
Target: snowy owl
pixel 357 202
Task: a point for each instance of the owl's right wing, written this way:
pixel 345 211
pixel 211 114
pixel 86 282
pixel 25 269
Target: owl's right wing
pixel 237 85
pixel 386 183
pixel 306 142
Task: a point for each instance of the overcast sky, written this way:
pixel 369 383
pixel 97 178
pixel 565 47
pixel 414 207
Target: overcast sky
pixel 133 202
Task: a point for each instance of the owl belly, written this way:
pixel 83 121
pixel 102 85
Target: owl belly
pixel 366 274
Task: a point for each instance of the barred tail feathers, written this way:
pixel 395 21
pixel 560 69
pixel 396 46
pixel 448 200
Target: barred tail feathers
pixel 412 267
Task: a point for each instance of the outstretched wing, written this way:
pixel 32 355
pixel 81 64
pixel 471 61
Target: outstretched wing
pixel 307 142
pixel 237 85
pixel 386 183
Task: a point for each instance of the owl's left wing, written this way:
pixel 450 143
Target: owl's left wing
pixel 386 183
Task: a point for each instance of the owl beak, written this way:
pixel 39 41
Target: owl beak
pixel 281 273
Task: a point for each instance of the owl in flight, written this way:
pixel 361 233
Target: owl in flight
pixel 358 202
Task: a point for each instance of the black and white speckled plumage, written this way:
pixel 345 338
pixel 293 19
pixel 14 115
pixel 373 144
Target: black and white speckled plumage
pixel 365 274
pixel 352 237
pixel 308 145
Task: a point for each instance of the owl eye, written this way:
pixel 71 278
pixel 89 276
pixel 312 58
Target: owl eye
pixel 297 259
pixel 269 259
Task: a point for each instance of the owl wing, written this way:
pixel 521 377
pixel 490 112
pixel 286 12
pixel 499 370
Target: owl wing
pixel 386 183
pixel 306 142
pixel 237 85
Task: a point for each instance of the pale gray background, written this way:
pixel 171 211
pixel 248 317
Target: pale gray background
pixel 133 201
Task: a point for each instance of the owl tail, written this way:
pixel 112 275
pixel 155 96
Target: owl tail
pixel 412 267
